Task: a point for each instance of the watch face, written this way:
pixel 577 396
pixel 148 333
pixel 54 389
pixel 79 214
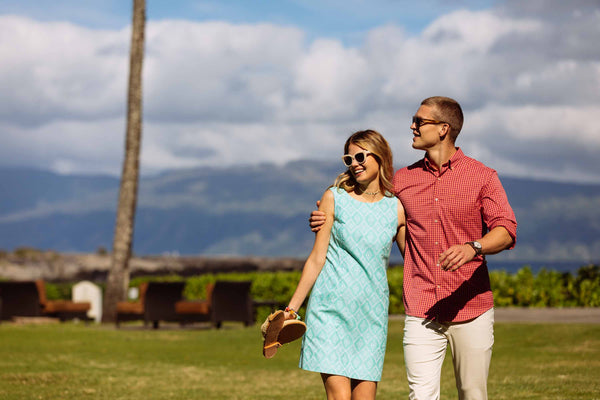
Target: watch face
pixel 477 245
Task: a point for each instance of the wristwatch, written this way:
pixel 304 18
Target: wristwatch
pixel 476 246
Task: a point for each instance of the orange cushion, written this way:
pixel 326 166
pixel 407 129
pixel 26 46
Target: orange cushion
pixel 128 307
pixel 192 307
pixel 66 305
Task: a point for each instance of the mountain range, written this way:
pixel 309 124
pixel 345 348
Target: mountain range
pixel 255 210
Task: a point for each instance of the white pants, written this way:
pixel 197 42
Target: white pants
pixel 425 345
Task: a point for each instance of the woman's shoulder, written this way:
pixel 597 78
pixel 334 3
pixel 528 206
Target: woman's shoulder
pixel 327 201
pixel 336 191
pixel 330 192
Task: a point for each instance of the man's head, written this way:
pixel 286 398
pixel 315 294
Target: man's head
pixel 447 110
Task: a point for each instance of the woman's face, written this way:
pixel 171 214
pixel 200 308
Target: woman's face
pixel 367 171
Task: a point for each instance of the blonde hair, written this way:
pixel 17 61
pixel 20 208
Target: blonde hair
pixel 379 148
pixel 447 110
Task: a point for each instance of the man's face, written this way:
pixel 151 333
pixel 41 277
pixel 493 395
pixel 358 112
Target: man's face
pixel 425 128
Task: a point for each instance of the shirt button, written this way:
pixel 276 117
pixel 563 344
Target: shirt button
pixel 435 220
pixel 436 199
pixel 436 242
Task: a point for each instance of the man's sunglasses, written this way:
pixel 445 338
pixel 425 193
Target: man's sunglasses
pixel 419 122
pixel 360 158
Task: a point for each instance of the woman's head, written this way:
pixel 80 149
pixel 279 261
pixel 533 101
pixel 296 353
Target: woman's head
pixel 373 142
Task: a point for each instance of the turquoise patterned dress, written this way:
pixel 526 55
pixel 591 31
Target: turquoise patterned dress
pixel 347 314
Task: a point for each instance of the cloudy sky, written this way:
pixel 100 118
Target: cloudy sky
pixel 240 82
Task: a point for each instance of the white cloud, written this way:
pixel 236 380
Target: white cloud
pixel 54 70
pixel 551 142
pixel 218 93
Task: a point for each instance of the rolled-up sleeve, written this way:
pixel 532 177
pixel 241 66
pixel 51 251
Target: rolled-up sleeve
pixel 496 209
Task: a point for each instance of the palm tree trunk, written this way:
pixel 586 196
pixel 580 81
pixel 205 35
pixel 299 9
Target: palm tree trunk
pixel 118 277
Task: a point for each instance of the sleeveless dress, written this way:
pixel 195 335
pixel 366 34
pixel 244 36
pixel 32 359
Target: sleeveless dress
pixel 347 312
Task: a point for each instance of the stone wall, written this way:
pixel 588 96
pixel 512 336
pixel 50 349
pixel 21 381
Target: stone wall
pixel 55 267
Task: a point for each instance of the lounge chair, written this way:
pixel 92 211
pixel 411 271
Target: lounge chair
pixel 19 299
pixel 195 310
pixel 160 301
pixel 157 303
pixel 132 310
pixel 62 309
pixel 231 301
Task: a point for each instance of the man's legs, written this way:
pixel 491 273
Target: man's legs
pixel 471 344
pixel 424 350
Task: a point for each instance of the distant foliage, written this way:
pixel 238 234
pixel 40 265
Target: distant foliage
pixel 547 288
pixel 521 289
pixel 395 279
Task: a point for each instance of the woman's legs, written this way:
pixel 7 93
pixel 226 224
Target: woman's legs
pixel 343 388
pixel 363 390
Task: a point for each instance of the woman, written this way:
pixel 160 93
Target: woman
pixel 347 311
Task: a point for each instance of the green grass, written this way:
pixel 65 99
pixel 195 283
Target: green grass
pixel 74 361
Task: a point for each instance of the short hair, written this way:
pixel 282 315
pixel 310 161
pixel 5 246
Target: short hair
pixel 376 144
pixel 447 110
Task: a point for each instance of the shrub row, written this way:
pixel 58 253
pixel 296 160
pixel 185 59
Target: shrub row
pixel 521 289
pixel 547 288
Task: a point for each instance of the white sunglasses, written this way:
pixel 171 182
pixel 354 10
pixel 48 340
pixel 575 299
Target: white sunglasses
pixel 360 158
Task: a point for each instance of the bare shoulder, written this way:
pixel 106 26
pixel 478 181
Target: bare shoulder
pixel 327 201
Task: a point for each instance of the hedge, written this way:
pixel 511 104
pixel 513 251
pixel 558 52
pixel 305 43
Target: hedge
pixel 546 288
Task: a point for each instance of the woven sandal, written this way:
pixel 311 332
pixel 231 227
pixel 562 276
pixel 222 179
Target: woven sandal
pixel 292 329
pixel 270 330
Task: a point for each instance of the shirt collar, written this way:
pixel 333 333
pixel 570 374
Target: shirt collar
pixel 456 157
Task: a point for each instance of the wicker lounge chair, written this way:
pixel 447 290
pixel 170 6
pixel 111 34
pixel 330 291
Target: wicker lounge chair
pixel 195 310
pixel 160 301
pixel 19 299
pixel 157 303
pixel 231 301
pixel 132 310
pixel 62 309
pixel 28 299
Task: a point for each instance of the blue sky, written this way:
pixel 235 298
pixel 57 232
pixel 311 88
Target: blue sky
pixel 225 81
pixel 346 20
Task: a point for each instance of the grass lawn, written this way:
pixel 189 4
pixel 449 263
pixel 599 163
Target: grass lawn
pixel 74 361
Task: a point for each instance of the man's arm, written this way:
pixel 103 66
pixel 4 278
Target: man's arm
pixel 493 242
pixel 317 219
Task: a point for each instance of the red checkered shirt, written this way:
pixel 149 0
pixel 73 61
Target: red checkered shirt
pixel 452 206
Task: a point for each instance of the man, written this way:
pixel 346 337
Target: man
pixel 456 213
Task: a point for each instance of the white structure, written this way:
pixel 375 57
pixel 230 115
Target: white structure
pixel 133 293
pixel 88 291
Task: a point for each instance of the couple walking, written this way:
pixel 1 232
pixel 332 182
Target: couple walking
pixel 445 212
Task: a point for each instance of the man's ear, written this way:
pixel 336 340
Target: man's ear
pixel 444 131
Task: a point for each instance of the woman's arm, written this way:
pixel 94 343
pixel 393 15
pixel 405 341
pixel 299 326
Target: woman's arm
pixel 316 259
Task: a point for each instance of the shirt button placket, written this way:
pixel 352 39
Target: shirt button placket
pixel 437 230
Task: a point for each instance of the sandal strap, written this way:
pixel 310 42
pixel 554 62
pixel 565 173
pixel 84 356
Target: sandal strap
pixel 274 344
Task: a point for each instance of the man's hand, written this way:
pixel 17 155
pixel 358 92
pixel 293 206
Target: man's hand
pixel 317 219
pixel 456 256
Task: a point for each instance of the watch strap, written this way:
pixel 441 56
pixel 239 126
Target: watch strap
pixel 477 249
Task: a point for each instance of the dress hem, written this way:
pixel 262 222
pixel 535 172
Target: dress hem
pixel 341 374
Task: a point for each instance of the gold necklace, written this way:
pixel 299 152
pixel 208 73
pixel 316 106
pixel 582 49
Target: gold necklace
pixel 371 193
